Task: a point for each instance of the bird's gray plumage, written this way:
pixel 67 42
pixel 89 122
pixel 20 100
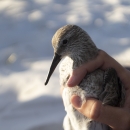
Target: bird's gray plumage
pixel 76 47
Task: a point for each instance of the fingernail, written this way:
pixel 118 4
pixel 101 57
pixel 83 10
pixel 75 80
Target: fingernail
pixel 70 82
pixel 76 101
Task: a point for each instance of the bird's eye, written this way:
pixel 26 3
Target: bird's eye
pixel 65 41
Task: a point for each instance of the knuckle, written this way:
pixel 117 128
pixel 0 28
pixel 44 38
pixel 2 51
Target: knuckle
pixel 91 108
pixel 95 110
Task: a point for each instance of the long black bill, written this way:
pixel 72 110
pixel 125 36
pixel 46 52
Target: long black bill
pixel 56 60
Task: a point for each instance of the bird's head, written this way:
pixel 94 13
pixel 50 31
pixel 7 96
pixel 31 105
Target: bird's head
pixel 72 41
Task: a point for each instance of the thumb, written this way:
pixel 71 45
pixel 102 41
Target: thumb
pixel 91 108
pixel 116 118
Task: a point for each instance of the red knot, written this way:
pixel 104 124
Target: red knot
pixel 76 47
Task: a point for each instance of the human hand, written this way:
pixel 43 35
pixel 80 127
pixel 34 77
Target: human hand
pixel 116 118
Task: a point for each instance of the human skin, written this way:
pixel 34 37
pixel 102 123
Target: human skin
pixel 117 118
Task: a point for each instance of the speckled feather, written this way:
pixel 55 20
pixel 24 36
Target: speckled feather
pixel 91 86
pixel 102 85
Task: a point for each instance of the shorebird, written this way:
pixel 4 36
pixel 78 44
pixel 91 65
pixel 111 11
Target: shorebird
pixel 75 47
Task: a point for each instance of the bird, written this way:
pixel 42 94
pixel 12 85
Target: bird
pixel 73 47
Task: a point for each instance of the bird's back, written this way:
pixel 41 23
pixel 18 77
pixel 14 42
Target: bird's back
pixel 91 86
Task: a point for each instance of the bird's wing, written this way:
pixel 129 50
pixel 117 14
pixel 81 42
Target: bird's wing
pixel 112 88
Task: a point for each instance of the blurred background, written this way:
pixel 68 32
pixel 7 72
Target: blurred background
pixel 26 29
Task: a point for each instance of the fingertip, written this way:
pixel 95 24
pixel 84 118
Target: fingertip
pixel 76 76
pixel 71 82
pixel 90 108
pixel 76 101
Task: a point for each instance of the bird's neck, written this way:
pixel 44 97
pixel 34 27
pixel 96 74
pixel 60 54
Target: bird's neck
pixel 83 57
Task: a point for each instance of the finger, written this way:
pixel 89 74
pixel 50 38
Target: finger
pixel 79 73
pixel 116 118
pixel 91 108
pixel 76 76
